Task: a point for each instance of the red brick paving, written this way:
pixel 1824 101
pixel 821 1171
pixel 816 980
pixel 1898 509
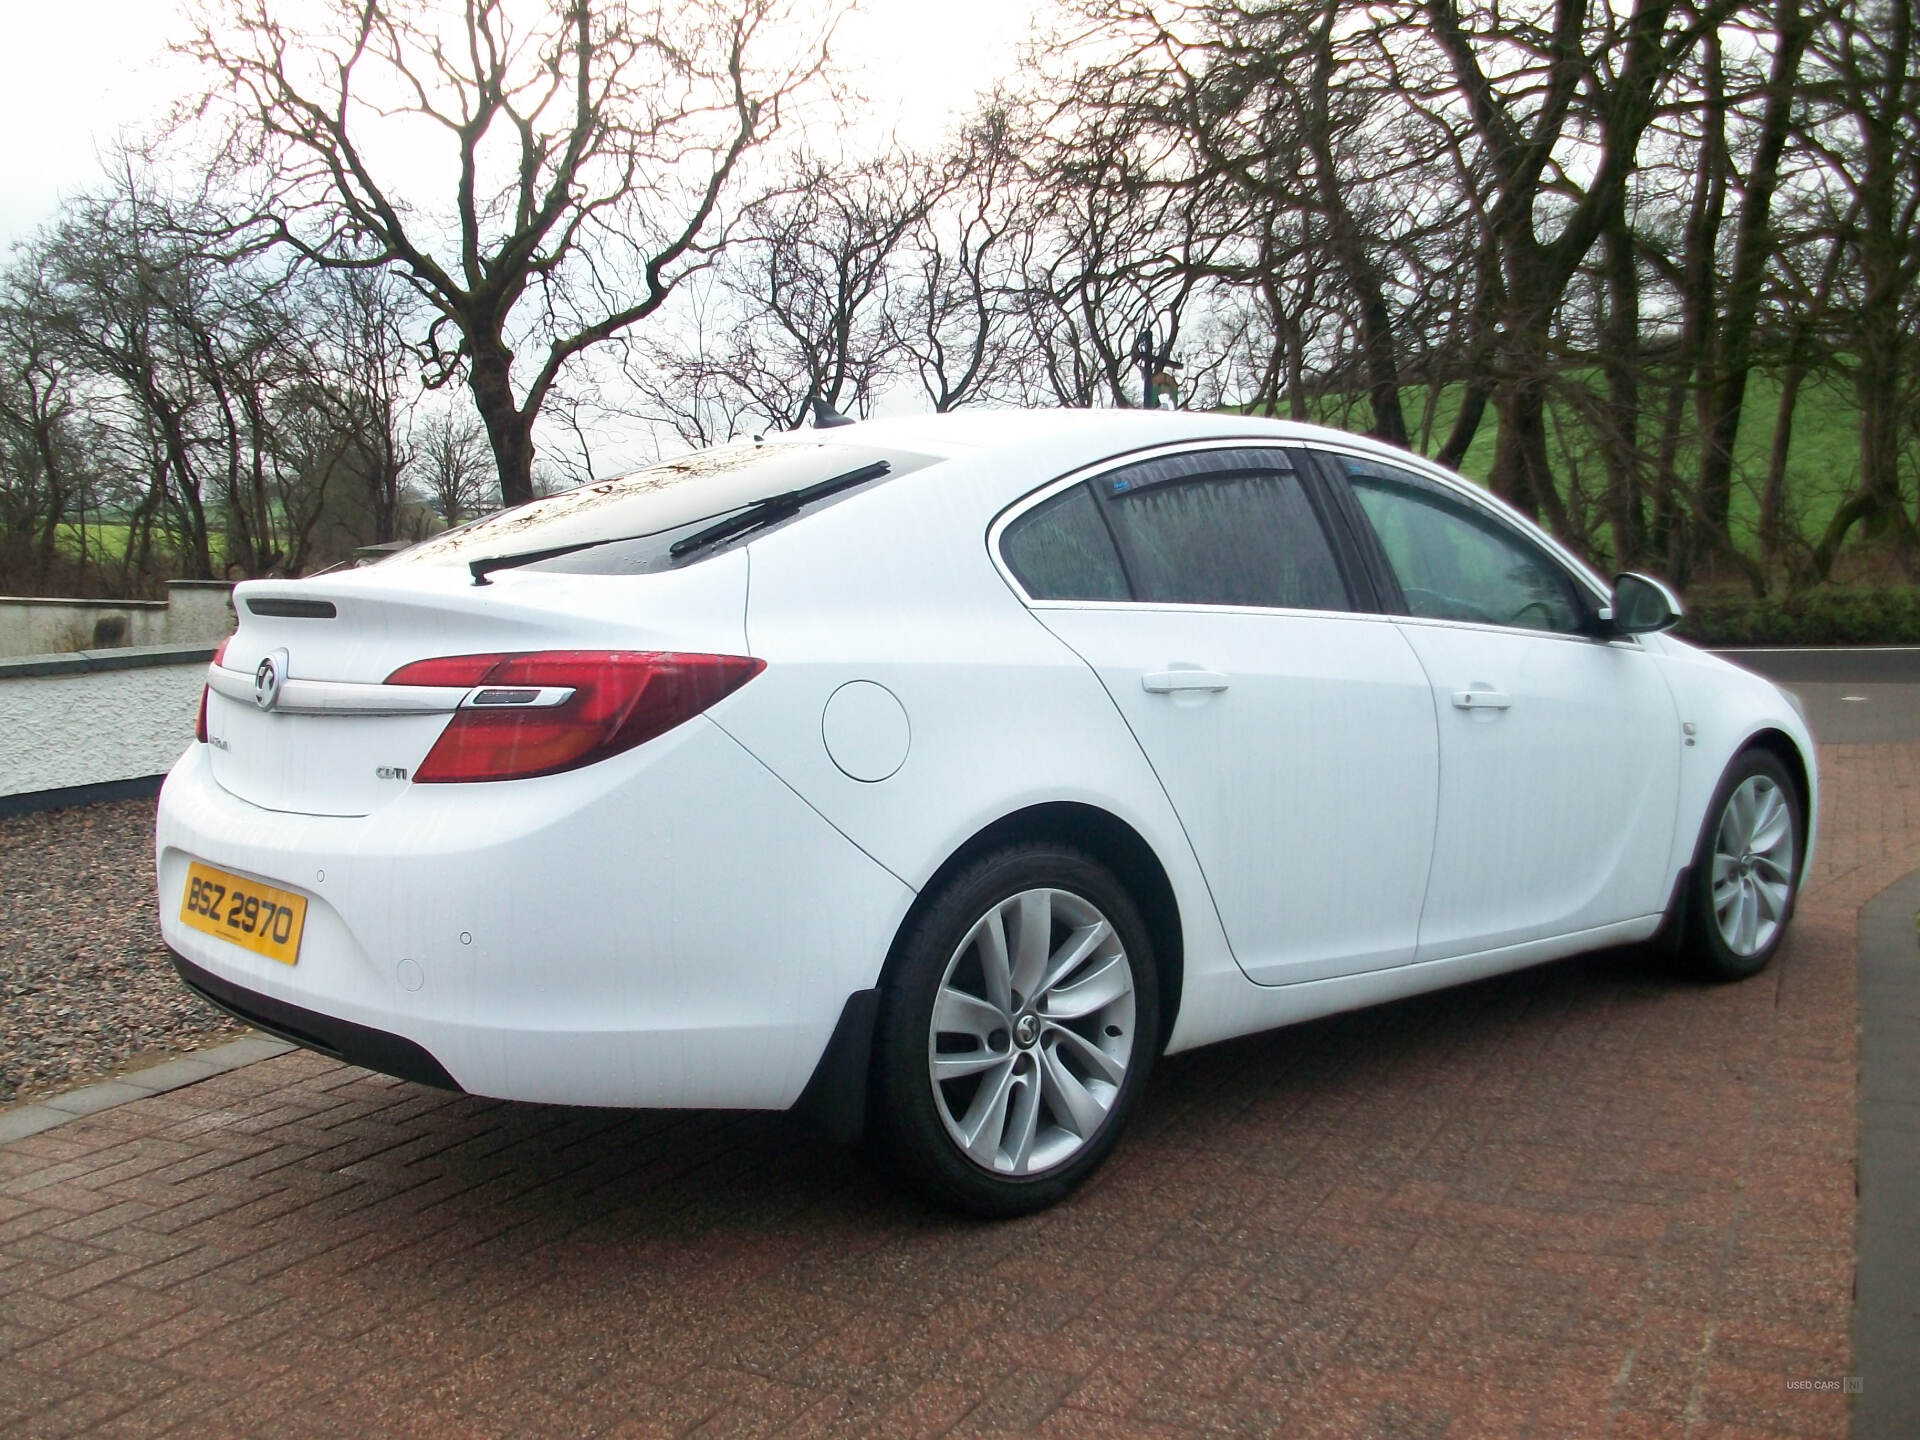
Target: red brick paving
pixel 1581 1200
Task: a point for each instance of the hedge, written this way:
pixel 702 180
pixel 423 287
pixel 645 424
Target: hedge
pixel 1888 616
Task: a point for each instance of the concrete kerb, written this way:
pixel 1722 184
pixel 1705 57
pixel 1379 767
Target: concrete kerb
pixel 188 1069
pixel 1886 1316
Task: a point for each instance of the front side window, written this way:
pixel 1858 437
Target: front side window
pixel 1455 562
pixel 1222 527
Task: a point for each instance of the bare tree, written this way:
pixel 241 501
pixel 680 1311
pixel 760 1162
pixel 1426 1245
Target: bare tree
pixel 1519 79
pixel 1868 62
pixel 685 379
pixel 451 466
pixel 955 312
pixel 592 141
pixel 42 475
pixel 810 276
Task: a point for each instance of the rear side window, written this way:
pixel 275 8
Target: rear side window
pixel 1061 550
pixel 1222 527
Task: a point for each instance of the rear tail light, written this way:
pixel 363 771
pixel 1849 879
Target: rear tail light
pixel 200 724
pixel 620 699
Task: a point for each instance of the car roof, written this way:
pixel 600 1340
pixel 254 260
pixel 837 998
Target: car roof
pixel 975 431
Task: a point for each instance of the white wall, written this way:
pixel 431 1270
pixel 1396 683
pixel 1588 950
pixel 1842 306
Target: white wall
pixel 195 611
pixel 96 725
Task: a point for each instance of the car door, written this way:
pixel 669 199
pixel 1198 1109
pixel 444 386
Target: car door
pixel 1559 749
pixel 1292 729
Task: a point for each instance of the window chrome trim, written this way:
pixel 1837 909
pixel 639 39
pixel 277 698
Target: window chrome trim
pixel 1629 642
pixel 997 527
pixel 1490 628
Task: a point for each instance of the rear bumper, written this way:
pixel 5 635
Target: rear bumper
pixel 342 1039
pixel 672 927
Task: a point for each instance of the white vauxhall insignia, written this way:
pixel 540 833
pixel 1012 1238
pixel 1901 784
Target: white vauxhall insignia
pixel 933 776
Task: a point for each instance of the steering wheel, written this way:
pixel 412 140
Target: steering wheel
pixel 1546 615
pixel 1432 605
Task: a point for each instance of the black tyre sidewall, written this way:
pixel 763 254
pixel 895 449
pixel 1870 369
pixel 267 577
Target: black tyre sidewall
pixel 910 1129
pixel 1705 951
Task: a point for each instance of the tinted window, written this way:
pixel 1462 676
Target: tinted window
pixel 1222 527
pixel 1061 550
pixel 1454 561
pixel 645 512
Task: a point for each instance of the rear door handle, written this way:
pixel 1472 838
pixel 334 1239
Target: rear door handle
pixel 1165 682
pixel 1481 700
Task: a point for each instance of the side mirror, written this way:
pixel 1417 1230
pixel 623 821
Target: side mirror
pixel 1643 605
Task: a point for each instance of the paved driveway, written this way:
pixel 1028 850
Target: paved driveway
pixel 1585 1199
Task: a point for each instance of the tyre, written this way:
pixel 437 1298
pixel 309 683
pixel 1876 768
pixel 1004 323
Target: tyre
pixel 1018 1023
pixel 1746 870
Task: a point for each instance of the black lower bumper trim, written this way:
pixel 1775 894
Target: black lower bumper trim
pixel 340 1039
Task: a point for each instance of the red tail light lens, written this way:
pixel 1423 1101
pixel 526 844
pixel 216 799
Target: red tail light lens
pixel 620 699
pixel 200 724
pixel 449 670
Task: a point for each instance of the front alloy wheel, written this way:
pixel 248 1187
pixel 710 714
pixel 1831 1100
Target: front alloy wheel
pixel 1752 865
pixel 1018 1020
pixel 1746 870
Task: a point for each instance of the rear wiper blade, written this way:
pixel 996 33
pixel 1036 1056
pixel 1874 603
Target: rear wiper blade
pixel 777 507
pixel 487 564
pixel 755 514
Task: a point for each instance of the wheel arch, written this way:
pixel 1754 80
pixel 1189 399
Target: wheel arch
pixel 1783 748
pixel 835 1099
pixel 1115 844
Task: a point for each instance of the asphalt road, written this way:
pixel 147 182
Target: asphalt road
pixel 1833 664
pixel 1853 695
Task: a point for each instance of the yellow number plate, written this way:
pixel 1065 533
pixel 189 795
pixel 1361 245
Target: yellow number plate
pixel 254 916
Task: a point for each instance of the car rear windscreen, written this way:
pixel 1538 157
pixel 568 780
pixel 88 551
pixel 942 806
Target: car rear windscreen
pixel 644 513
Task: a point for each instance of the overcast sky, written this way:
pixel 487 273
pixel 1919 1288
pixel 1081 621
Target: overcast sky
pixel 74 73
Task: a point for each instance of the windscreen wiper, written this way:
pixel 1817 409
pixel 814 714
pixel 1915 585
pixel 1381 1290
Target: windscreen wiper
pixel 750 517
pixel 777 507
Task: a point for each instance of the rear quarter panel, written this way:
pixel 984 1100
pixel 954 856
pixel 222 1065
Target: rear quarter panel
pixel 897 589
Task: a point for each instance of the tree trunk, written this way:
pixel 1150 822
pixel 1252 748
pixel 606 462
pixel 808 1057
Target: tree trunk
pixel 1877 74
pixel 1732 356
pixel 1620 422
pixel 1349 246
pixel 509 431
pixel 56 503
pixel 1481 321
pixel 1700 299
pixel 1522 473
pixel 1800 361
pixel 1774 490
pixel 1877 384
pixel 1877 373
pixel 1466 424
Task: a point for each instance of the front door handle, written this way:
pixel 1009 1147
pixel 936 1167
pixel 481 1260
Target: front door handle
pixel 1165 682
pixel 1481 700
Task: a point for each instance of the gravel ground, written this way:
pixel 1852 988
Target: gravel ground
pixel 85 984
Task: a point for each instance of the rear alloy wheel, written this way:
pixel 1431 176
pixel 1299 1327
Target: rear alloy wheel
pixel 1747 870
pixel 1016 1030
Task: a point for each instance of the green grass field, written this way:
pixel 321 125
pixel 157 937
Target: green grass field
pixel 107 542
pixel 1822 462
